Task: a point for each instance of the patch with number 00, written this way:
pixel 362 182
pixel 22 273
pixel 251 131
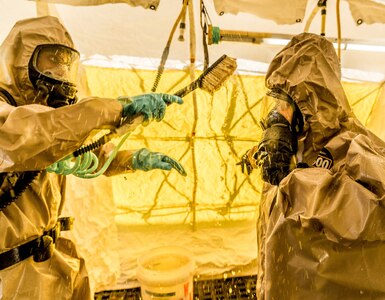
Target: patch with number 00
pixel 323 160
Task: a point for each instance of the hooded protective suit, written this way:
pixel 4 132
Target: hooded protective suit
pixel 321 231
pixel 33 137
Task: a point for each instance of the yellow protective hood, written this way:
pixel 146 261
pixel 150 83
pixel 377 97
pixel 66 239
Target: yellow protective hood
pixel 308 70
pixel 17 49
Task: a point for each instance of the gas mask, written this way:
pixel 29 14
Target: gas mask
pixel 281 128
pixel 52 71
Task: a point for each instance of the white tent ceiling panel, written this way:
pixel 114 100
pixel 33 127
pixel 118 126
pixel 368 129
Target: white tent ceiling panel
pixel 121 29
pixel 291 12
pixel 369 12
pixel 152 4
pixel 294 10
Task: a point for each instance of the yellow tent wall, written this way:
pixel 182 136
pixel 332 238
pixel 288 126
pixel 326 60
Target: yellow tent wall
pixel 213 210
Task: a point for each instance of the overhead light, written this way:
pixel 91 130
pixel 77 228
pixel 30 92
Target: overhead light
pixel 362 47
pixel 342 46
pixel 274 41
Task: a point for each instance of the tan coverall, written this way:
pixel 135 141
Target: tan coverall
pixel 32 137
pixel 322 230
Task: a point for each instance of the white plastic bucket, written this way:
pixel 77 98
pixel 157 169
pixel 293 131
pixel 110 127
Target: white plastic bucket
pixel 166 273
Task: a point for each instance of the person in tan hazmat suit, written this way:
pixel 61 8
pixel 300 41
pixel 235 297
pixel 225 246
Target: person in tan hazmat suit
pixel 41 122
pixel 322 218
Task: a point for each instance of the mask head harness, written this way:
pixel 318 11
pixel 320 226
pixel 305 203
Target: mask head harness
pixel 52 70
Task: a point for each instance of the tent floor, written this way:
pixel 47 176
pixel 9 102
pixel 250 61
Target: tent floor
pixel 235 288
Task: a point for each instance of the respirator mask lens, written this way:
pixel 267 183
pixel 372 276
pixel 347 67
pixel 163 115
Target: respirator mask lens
pixel 58 62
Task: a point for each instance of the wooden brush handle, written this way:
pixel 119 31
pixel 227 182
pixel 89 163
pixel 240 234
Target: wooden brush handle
pixel 187 89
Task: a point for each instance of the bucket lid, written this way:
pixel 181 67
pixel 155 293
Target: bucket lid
pixel 165 266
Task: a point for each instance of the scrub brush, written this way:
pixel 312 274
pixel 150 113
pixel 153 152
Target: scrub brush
pixel 213 77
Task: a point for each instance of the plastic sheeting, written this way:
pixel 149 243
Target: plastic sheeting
pixel 153 4
pixel 281 12
pixel 368 12
pixel 285 12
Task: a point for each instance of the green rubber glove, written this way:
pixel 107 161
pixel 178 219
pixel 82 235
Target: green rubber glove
pixel 145 160
pixel 151 106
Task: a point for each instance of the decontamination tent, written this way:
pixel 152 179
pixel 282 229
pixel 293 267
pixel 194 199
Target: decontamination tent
pixel 213 210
